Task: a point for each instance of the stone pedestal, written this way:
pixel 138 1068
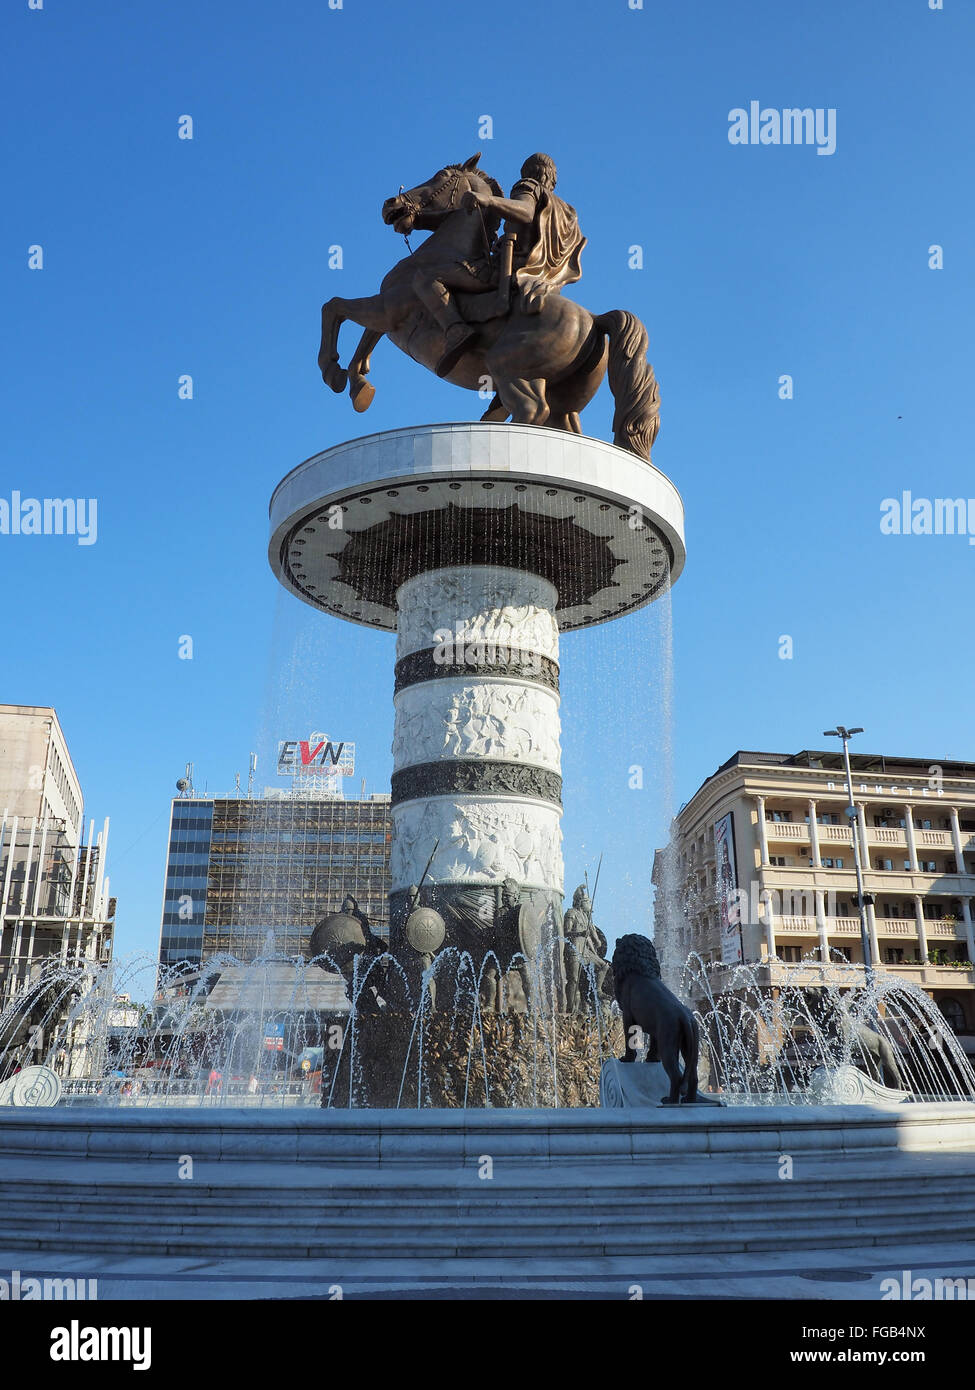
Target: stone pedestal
pixel 476 754
pixel 478 544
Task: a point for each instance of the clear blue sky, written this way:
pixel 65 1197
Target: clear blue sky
pixel 164 256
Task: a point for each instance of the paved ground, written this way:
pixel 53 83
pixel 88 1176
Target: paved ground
pixel 790 1275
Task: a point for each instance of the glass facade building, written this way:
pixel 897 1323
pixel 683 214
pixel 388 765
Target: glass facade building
pixel 185 891
pixel 241 868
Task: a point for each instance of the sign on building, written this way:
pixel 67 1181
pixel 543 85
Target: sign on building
pixel 315 757
pixel 727 884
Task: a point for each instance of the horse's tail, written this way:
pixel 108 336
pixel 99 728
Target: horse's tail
pixel 690 1047
pixel 632 382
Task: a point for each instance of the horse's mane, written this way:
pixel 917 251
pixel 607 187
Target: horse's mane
pixel 492 219
pixel 492 183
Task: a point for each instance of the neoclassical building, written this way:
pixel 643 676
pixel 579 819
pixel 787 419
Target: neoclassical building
pixel 768 834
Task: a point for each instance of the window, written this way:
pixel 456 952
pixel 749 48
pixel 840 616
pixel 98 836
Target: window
pixel 954 1013
pixel 893 955
pixel 791 954
pixel 885 865
pixel 778 860
pixel 831 863
pixel 927 866
pixel 778 815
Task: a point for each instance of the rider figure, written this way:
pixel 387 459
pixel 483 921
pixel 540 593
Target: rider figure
pixel 547 248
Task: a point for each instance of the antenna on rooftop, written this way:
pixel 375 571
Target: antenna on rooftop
pixel 185 786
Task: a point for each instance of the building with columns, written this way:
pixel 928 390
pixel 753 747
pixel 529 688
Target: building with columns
pixel 55 904
pixel 760 868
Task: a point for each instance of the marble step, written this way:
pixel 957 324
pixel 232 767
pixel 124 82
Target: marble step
pixel 506 1243
pixel 667 1183
pixel 35 1196
pixel 564 1138
pixel 369 1225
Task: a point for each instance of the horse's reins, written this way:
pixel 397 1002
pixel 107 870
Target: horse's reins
pixel 414 207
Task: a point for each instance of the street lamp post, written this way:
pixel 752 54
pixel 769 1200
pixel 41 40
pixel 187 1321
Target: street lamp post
pixel 851 811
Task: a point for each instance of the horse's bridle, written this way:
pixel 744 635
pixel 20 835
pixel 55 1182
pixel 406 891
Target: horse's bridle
pixel 413 206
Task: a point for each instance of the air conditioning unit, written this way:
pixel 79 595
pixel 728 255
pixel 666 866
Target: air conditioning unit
pixel 888 811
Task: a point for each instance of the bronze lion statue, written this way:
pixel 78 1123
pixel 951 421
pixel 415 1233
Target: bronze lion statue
pixel 865 1048
pixel 646 1003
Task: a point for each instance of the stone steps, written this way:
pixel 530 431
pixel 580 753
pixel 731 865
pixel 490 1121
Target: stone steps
pixel 416 1138
pixel 35 1216
pixel 402 1187
pixel 506 1243
pixel 132 1199
pixel 373 1226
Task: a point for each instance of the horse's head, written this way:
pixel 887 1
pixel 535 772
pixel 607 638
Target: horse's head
pixel 424 207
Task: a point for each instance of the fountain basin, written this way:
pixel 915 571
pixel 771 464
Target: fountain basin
pixel 566 1199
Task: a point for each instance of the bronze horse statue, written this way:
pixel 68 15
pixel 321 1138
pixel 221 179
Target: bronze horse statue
pixel 543 366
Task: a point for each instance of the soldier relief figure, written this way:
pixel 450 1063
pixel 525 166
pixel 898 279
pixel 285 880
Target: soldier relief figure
pixel 472 306
pixel 585 949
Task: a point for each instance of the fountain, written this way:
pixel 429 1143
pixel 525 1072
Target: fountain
pixel 373 1092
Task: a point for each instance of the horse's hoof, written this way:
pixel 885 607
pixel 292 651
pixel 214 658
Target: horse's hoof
pixel 336 377
pixel 363 398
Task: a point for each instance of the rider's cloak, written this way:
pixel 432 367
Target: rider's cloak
pixel 554 258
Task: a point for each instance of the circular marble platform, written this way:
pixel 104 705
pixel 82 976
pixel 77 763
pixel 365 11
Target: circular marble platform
pixel 353 523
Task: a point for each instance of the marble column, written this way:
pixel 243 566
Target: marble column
pixel 821 925
pixel 762 830
pixel 956 840
pixel 476 750
pixel 966 916
pixel 922 935
pixel 814 837
pixel 872 935
pixel 911 837
pixel 769 921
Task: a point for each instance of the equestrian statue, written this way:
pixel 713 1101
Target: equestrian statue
pixel 485 309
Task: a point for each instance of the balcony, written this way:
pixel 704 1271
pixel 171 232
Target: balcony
pixel 879 835
pixel 933 976
pixel 802 974
pixel 806 926
pixel 934 839
pixel 786 830
pixel 886 926
pixel 884 835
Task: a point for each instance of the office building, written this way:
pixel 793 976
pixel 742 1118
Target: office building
pixel 248 872
pixel 769 834
pixel 55 905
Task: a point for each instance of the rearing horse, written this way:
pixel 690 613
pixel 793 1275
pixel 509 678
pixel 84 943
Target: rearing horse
pixel 544 367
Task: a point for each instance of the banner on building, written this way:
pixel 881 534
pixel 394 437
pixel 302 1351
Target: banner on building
pixel 726 878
